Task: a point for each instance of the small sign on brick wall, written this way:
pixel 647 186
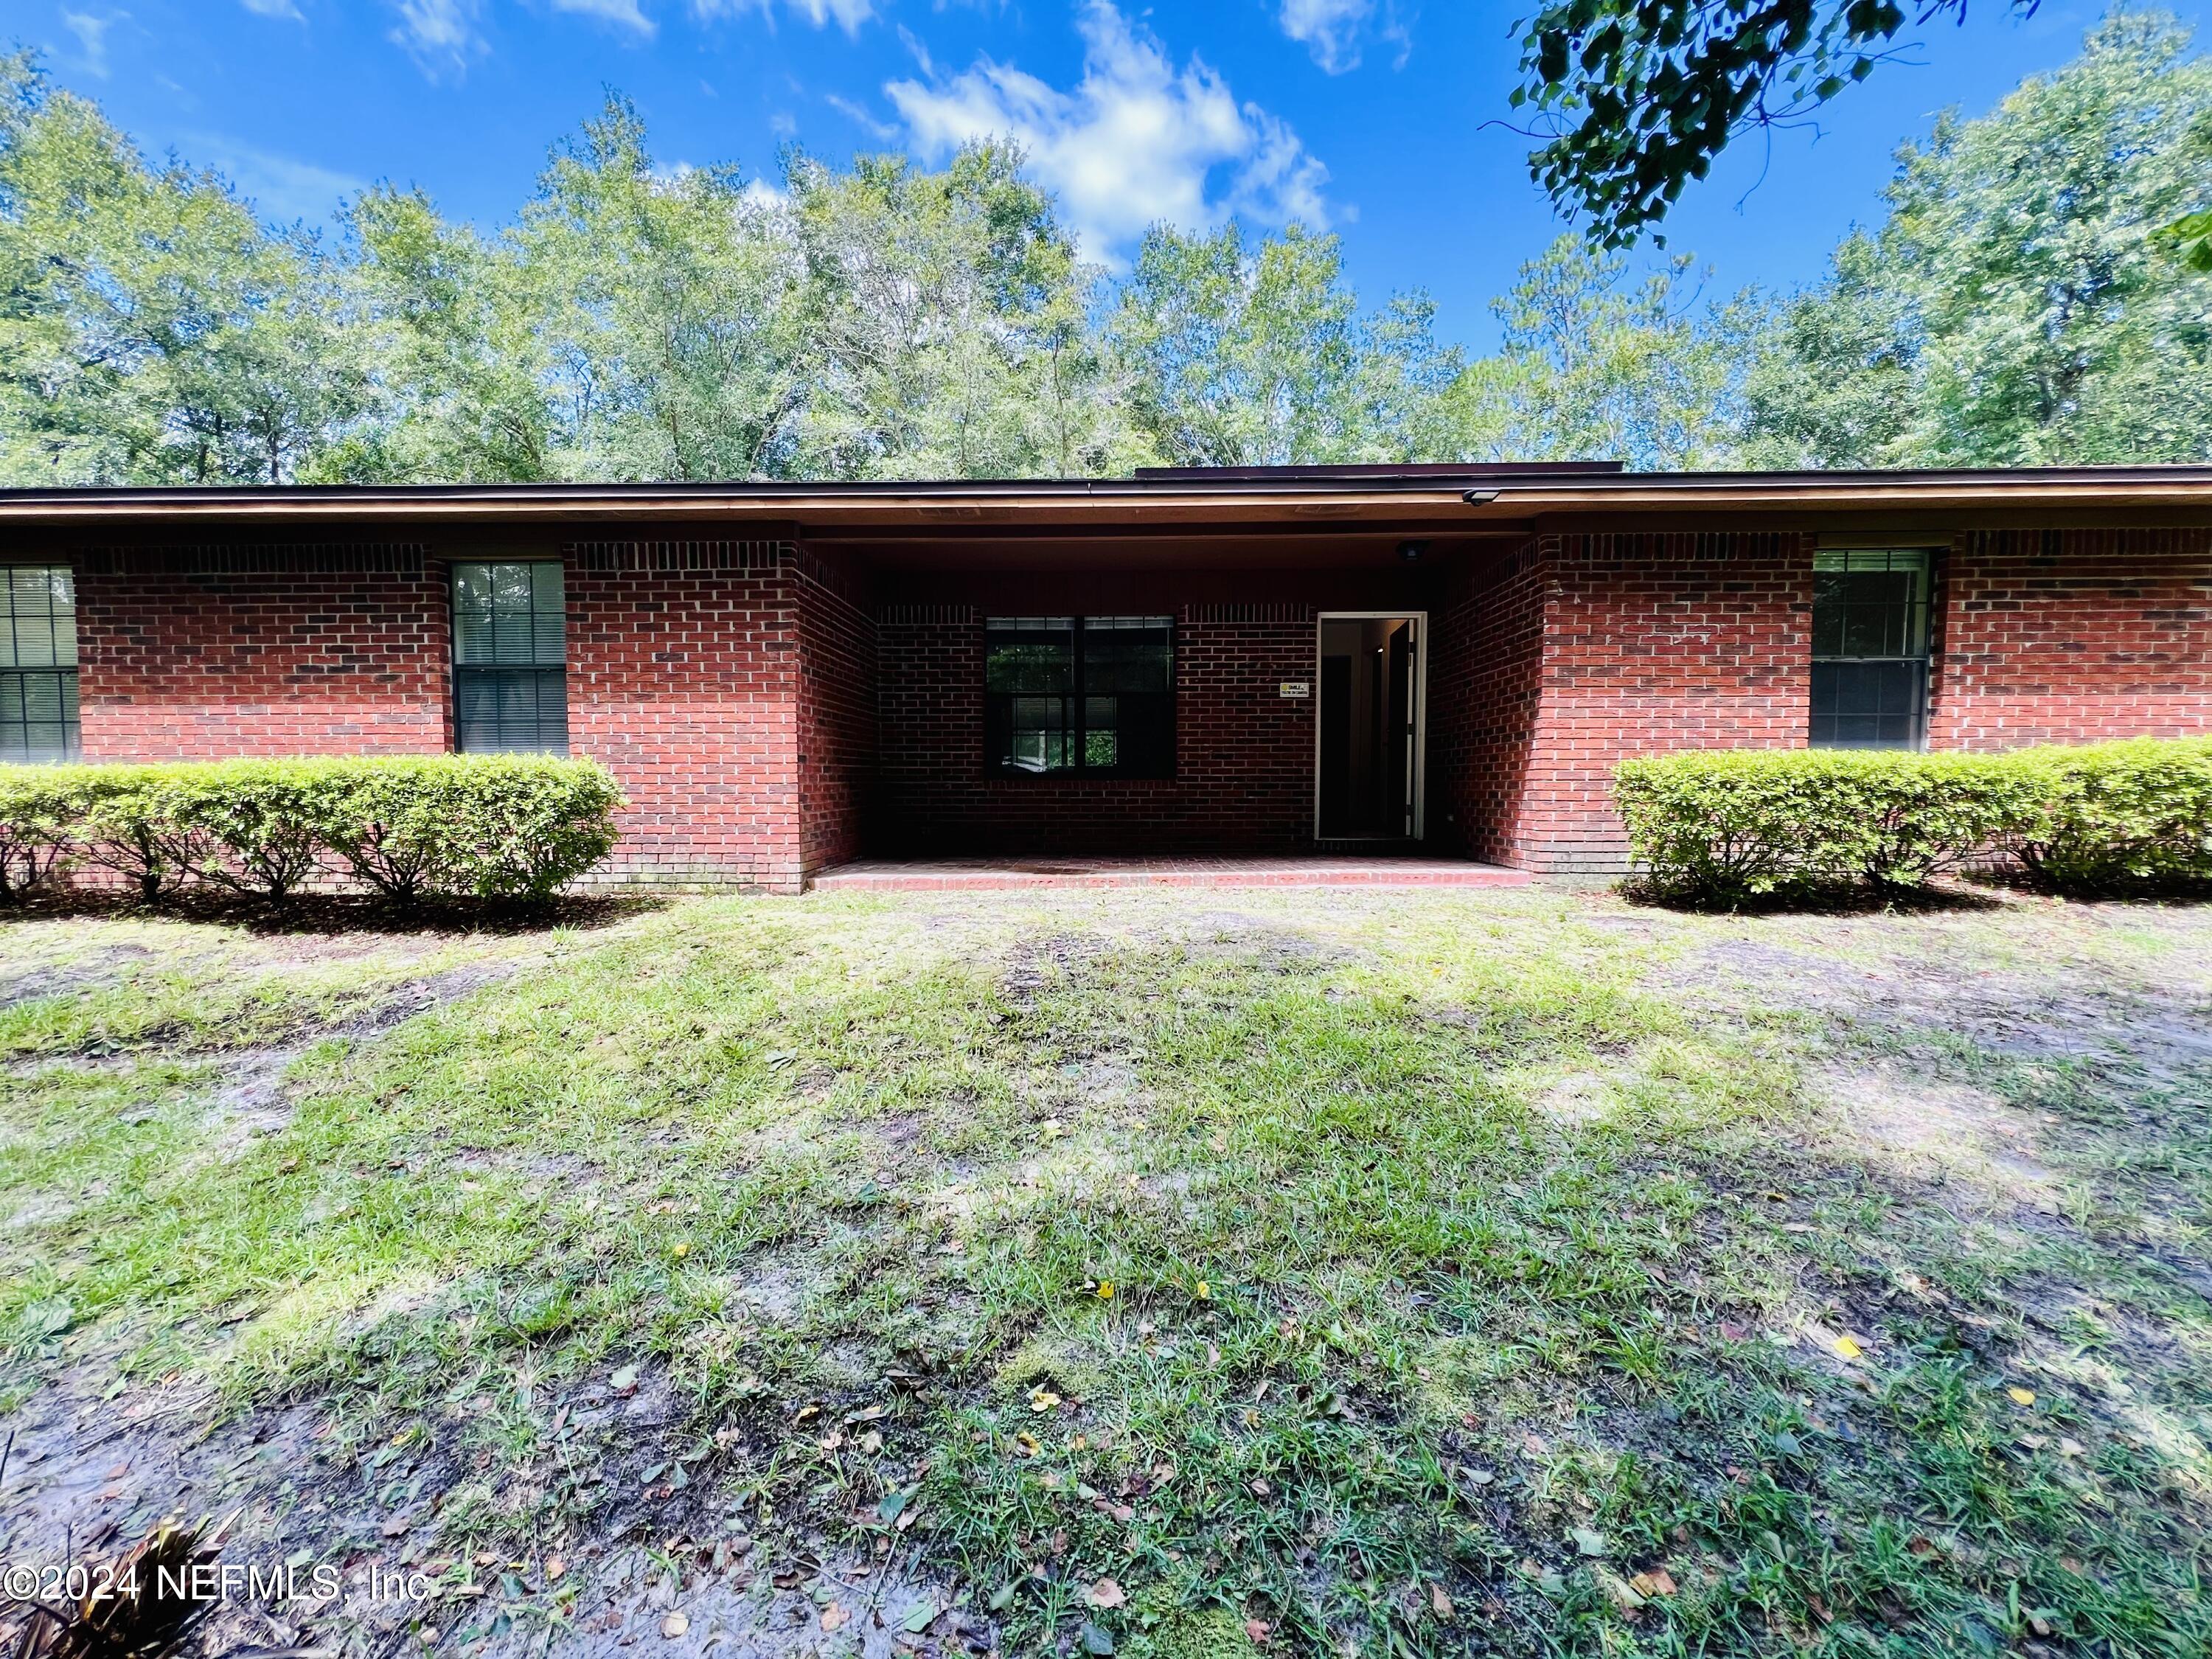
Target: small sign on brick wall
pixel 1295 689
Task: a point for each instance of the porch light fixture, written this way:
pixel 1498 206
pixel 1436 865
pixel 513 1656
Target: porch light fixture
pixel 1410 551
pixel 1479 497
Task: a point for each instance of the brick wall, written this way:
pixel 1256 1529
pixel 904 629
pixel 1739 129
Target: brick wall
pixel 2071 637
pixel 836 758
pixel 683 680
pixel 1485 692
pixel 1654 643
pixel 190 653
pixel 1244 761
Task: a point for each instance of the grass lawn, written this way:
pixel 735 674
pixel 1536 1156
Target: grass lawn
pixel 1185 1274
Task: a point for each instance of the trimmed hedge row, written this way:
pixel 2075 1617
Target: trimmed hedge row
pixel 406 827
pixel 1727 824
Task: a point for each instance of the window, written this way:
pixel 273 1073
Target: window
pixel 1869 648
pixel 1080 694
pixel 510 648
pixel 38 664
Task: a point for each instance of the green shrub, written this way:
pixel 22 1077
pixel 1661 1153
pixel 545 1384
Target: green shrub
pixel 2115 816
pixel 1721 826
pixel 37 806
pixel 486 826
pixel 129 825
pixel 1727 824
pixel 260 819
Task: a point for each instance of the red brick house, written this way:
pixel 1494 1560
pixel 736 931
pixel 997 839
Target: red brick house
pixel 1245 661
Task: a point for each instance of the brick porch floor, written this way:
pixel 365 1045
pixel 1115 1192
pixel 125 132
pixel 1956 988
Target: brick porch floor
pixel 885 875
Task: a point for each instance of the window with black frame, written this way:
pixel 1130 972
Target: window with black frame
pixel 1092 695
pixel 510 658
pixel 38 664
pixel 1869 648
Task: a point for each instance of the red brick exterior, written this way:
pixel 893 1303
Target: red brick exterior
pixel 2071 637
pixel 1486 694
pixel 683 678
pixel 772 708
pixel 836 758
pixel 193 652
pixel 1244 754
pixel 1654 643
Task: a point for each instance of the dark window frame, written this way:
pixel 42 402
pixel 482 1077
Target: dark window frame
pixel 52 680
pixel 509 678
pixel 1158 707
pixel 1872 659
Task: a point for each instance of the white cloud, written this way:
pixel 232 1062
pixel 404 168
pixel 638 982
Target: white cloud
pixel 623 14
pixel 1330 29
pixel 858 116
pixel 1136 142
pixel 92 37
pixel 282 187
pixel 441 35
pixel 272 8
pixel 848 15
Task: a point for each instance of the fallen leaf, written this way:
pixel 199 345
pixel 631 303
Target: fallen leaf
pixel 871 1443
pixel 2071 1448
pixel 2021 1396
pixel 624 1381
pixel 1202 1291
pixel 1257 1630
pixel 1657 1582
pixel 555 1568
pixel 1439 1603
pixel 1043 1400
pixel 681 1248
pixel 1097 1638
pixel 1623 1594
pixel 1029 1443
pixel 1105 1289
pixel 1105 1594
pixel 1262 1489
pixel 674 1626
pixel 923 1615
pixel 1848 1347
pixel 1586 1541
pixel 834 1616
pixel 1003 1597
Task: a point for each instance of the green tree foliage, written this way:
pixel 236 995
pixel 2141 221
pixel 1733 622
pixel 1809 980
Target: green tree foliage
pixel 1598 363
pixel 2018 306
pixel 151 328
pixel 1639 96
pixel 953 320
pixel 636 320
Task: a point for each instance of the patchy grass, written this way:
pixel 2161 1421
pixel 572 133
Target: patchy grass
pixel 1167 1273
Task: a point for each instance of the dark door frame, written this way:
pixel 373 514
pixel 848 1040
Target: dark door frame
pixel 1418 762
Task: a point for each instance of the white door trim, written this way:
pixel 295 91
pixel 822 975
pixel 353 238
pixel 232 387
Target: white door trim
pixel 1420 759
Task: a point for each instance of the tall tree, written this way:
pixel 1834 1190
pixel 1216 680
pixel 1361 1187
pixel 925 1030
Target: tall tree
pixel 953 319
pixel 2015 306
pixel 1595 363
pixel 151 328
pixel 1250 355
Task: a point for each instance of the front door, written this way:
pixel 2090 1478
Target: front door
pixel 1368 782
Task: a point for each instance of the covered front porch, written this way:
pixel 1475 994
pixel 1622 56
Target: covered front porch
pixel 1235 706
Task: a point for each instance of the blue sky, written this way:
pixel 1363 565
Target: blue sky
pixel 1369 116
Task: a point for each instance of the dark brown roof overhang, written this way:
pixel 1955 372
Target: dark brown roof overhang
pixel 1445 499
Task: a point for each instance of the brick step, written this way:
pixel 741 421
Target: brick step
pixel 886 875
